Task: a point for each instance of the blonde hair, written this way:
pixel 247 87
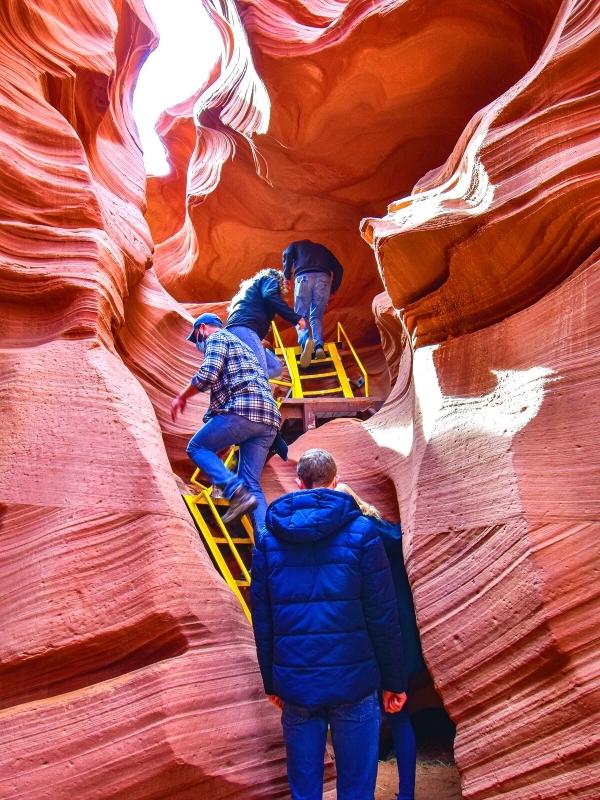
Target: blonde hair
pixel 365 508
pixel 268 272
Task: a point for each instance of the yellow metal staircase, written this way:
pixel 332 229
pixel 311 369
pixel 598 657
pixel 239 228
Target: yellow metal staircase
pixel 222 546
pixel 301 379
pixel 231 552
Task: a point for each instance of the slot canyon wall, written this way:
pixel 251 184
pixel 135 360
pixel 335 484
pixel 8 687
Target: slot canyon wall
pixel 466 140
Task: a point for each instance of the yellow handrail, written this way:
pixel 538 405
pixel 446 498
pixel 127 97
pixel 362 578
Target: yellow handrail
pixel 340 330
pixel 209 539
pixel 292 371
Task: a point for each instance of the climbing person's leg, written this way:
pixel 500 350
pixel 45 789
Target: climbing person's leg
pixel 252 340
pixel 274 365
pixel 320 291
pixel 302 302
pixel 254 449
pixel 215 435
pixel 406 753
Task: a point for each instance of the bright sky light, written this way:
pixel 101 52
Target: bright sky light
pixel 189 46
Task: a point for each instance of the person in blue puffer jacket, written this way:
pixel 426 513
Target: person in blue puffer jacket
pixel 327 631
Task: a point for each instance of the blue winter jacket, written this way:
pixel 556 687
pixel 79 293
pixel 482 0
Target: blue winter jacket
pixel 323 603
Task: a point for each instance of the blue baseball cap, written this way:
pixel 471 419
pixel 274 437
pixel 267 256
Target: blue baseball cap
pixel 204 319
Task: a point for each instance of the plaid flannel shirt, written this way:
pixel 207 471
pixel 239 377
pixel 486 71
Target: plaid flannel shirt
pixel 236 381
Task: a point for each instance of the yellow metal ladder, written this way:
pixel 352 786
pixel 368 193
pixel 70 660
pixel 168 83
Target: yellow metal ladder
pixel 298 377
pixel 222 543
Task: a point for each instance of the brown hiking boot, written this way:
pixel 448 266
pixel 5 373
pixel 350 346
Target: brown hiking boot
pixel 241 502
pixel 320 352
pixel 307 352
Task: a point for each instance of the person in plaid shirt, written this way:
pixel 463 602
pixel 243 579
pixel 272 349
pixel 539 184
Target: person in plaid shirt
pixel 241 411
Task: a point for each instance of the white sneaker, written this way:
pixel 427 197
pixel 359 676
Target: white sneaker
pixel 307 352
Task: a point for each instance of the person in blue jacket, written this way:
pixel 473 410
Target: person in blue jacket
pixel 402 730
pixel 251 311
pixel 327 632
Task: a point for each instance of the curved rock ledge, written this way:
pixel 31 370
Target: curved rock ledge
pixel 346 133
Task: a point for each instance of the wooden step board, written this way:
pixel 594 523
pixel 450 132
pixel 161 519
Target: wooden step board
pixel 309 409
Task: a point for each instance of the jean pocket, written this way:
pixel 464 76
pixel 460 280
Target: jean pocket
pixel 294 715
pixel 367 708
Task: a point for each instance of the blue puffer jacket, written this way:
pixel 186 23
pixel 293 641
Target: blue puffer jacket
pixel 324 608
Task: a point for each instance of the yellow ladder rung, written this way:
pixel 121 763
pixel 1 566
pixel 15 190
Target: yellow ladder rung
pixel 318 392
pixel 235 541
pixel 312 376
pixel 243 583
pixel 217 501
pixel 211 543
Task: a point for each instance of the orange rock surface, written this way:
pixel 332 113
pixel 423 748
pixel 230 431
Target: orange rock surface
pixel 362 104
pixel 126 668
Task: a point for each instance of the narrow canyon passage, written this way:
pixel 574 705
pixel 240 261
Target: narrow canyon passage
pixel 447 152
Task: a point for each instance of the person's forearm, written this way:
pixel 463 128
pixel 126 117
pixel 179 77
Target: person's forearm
pixel 288 264
pixel 179 402
pixel 279 306
pixel 188 392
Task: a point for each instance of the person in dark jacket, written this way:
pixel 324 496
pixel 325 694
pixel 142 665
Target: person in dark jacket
pixel 402 730
pixel 326 629
pixel 251 312
pixel 317 275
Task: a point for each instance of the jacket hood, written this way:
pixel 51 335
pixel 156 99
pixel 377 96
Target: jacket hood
pixel 310 514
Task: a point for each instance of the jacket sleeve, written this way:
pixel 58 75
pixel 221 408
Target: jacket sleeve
pixel 212 366
pixel 381 612
pixel 391 536
pixel 262 620
pixel 275 303
pixel 337 272
pixel 288 257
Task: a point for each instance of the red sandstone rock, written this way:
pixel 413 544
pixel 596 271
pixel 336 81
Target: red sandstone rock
pixel 127 669
pixel 346 132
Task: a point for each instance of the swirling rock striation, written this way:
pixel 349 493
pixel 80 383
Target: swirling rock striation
pixel 126 668
pixel 364 98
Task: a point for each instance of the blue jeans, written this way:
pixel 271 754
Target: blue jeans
pixel 271 365
pixel 254 439
pixel 355 736
pixel 311 294
pixel 406 753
